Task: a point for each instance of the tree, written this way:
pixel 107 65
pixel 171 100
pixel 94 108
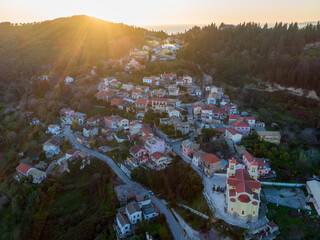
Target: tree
pixel 11 136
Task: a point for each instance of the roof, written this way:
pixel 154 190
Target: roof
pixel 142 101
pixel 160 99
pixel 199 154
pixel 24 168
pixel 122 219
pixel 148 209
pixel 254 160
pixel 314 187
pixel 157 155
pixel 71 151
pixel 36 173
pixel 52 141
pixel 232 116
pixel 269 133
pixel 210 158
pixel 232 131
pixel 272 224
pixel 242 182
pixel 136 149
pixel 133 208
pixel 116 101
pixel 132 188
pixel 240 124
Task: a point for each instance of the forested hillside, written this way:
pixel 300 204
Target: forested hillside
pixel 61 44
pixel 279 54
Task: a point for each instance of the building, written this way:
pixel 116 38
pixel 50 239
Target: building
pixel 27 170
pixel 269 136
pixel 154 144
pixel 187 80
pixel 242 193
pixel 241 127
pixel 94 120
pixel 159 159
pixel 212 98
pixel 172 112
pixel 158 93
pixel 51 147
pixel 79 117
pixel 54 128
pixel 90 131
pixel 69 79
pixel 197 158
pixel 132 192
pixel 119 102
pixel 211 164
pixel 136 94
pixel 313 188
pixel 123 225
pixel 159 104
pixel 255 166
pixel 189 148
pixel 233 135
pixel 139 153
pixel 174 91
pixel 149 211
pixel 142 104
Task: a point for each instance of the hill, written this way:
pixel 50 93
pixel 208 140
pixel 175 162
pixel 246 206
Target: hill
pixel 285 54
pixel 61 44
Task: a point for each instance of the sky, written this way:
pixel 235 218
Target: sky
pixel 148 12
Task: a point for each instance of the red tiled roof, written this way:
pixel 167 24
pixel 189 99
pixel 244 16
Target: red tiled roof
pixel 116 101
pixel 160 99
pixel 52 141
pixel 244 198
pixel 136 149
pixel 71 151
pixel 240 124
pixel 272 224
pixel 242 182
pixel 142 101
pixel 24 168
pixel 157 155
pixel 210 158
pixel 233 116
pixel 232 131
pixel 254 161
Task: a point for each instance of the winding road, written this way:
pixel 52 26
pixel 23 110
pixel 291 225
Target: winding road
pixel 176 229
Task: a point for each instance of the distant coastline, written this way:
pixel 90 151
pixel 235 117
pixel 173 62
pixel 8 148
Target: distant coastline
pixel 181 28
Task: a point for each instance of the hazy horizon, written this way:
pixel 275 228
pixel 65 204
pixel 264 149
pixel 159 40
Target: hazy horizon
pixel 186 12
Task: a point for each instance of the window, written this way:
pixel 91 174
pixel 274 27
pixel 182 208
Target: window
pixel 242 212
pixel 231 209
pixel 254 212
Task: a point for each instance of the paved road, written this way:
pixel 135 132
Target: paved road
pixel 176 229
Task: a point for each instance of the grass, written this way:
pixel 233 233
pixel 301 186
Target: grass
pixel 292 224
pixel 200 204
pixel 196 222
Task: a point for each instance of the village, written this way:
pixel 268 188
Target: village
pixel 164 126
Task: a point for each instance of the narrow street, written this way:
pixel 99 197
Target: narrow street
pixel 176 229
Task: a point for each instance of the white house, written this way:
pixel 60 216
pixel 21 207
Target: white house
pixel 51 147
pixel 196 160
pixel 149 211
pixel 233 135
pixel 69 79
pixel 134 212
pixel 90 131
pixel 54 128
pixel 123 223
pixel 172 112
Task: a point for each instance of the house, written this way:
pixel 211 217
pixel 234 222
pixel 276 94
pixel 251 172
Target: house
pixel 133 212
pixel 198 92
pixel 90 131
pixel 66 112
pixel 154 144
pixel 73 154
pixel 256 166
pixel 81 139
pixel 127 87
pixel 159 104
pixel 313 188
pixel 79 117
pixel 233 135
pixel 28 170
pixel 179 81
pixel 159 159
pixel 242 193
pixel 149 211
pixel 143 89
pixel 94 120
pixel 119 102
pixel 189 148
pixel 152 80
pixel 231 108
pixel 187 80
pixel 269 136
pixel 183 127
pixel 136 94
pixel 211 164
pixel 139 153
pixel 232 118
pixel 132 192
pixel 174 91
pixel 54 128
pixel 51 147
pixel 142 104
pixel 69 79
pixel 173 102
pixel 35 121
pixel 122 122
pixel 241 127
pixel 169 76
pixel 250 120
pixel 172 112
pixel 135 128
pixel 197 110
pixel 123 224
pixel 158 93
pixel 105 95
pixel 212 98
pixel 111 121
pixel 197 158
